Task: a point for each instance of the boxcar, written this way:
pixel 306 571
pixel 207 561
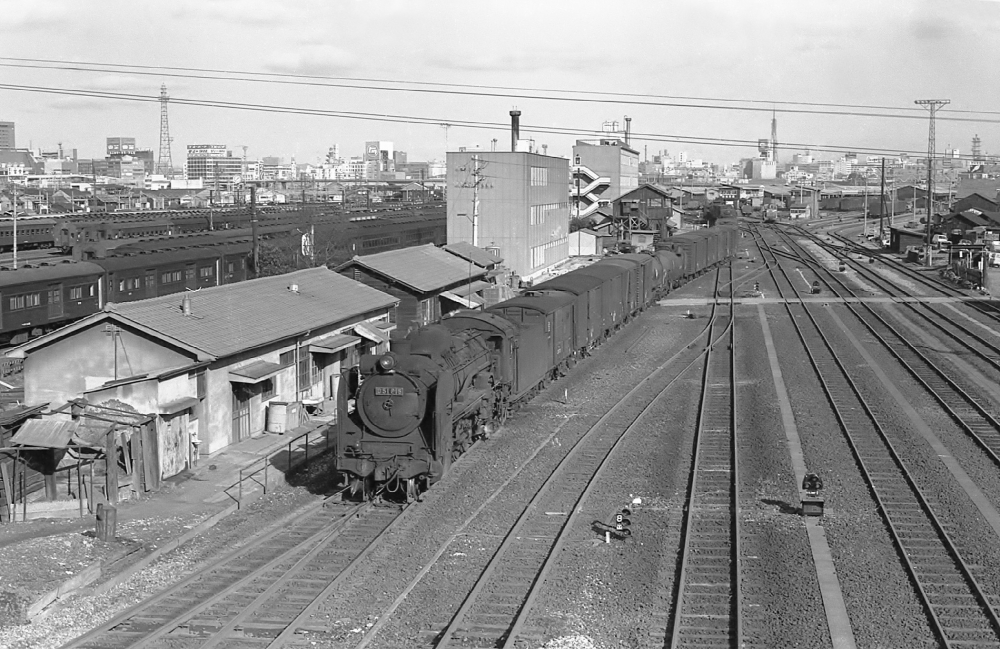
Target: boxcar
pixel 612 294
pixel 632 280
pixel 545 323
pixel 587 312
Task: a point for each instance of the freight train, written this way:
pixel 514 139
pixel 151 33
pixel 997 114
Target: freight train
pixel 412 411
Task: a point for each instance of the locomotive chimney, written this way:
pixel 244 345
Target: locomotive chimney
pixel 186 305
pixel 515 128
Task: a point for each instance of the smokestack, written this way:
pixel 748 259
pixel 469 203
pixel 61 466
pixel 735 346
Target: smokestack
pixel 628 130
pixel 186 305
pixel 515 128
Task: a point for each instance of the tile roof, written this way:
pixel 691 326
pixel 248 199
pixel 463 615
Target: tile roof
pixel 235 317
pixel 424 268
pixel 469 252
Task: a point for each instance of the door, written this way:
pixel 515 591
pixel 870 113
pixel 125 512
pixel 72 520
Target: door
pixel 241 413
pixel 55 301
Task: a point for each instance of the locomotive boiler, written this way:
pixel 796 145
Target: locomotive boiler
pixel 413 410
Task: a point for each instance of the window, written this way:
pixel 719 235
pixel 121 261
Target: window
pixel 121 286
pixel 230 267
pixel 267 390
pixel 170 277
pixel 189 274
pixel 308 373
pixel 76 292
pixel 150 279
pixel 16 302
pixel 55 295
pixel 426 311
pixel 539 176
pixel 206 271
pixel 32 299
pixel 286 359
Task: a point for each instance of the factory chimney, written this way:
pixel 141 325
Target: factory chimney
pixel 515 128
pixel 628 130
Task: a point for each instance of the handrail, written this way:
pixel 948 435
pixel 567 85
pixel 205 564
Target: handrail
pixel 295 458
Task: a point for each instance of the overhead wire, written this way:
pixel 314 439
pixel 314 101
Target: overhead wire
pixel 482 90
pixel 437 121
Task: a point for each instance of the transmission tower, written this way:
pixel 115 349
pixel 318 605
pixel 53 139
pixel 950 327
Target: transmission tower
pixel 933 105
pixel 164 165
pixel 774 136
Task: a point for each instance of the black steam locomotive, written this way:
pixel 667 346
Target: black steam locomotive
pixel 413 411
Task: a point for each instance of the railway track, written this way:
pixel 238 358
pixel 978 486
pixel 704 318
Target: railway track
pixel 973 417
pixel 707 611
pixel 498 610
pixel 957 607
pixel 250 596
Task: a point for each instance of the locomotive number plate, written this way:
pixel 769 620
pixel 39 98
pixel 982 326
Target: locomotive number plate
pixel 388 392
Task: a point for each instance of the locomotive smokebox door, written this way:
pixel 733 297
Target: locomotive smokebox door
pixel 391 404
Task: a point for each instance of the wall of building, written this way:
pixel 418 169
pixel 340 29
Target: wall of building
pixel 523 206
pixel 619 163
pixel 70 366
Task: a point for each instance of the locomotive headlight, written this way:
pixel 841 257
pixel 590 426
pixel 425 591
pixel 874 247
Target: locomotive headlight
pixel 386 363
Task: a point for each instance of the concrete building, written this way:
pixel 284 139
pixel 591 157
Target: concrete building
pixel 214 164
pixel 602 172
pixel 213 364
pixel 523 210
pixel 7 136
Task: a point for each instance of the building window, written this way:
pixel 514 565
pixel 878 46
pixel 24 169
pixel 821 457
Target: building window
pixel 426 311
pixel 267 390
pixel 539 176
pixel 286 359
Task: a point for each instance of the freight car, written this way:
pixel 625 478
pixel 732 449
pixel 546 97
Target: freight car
pixel 409 413
pixel 37 298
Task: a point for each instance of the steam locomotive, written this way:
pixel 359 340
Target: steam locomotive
pixel 413 411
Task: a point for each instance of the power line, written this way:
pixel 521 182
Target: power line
pixel 479 90
pixel 436 121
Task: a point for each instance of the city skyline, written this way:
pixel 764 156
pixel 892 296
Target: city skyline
pixel 861 54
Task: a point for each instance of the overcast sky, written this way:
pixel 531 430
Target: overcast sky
pixel 862 52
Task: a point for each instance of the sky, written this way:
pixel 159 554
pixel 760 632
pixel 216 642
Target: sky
pixel 635 58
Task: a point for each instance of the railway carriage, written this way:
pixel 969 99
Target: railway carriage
pixel 588 317
pixel 36 299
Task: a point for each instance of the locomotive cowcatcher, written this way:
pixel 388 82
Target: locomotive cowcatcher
pixel 412 411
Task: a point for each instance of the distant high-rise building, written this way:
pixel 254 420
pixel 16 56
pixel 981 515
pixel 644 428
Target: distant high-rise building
pixel 214 164
pixel 7 135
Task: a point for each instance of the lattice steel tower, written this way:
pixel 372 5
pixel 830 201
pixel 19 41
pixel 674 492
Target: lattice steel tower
pixel 164 165
pixel 933 104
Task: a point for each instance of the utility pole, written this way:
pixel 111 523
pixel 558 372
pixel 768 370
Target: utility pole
pixel 933 105
pixel 881 210
pixel 478 181
pixel 253 229
pixel 14 185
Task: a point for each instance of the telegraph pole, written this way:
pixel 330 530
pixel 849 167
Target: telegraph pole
pixel 881 210
pixel 478 180
pixel 933 105
pixel 253 229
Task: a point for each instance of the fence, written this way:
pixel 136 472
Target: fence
pixel 269 468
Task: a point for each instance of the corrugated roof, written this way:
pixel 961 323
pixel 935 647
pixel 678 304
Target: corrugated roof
pixel 469 252
pixel 235 317
pixel 424 268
